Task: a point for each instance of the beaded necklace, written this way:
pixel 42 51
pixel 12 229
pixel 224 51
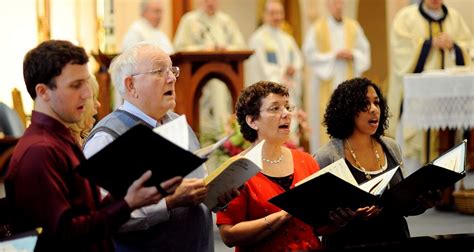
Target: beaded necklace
pixel 358 165
pixel 276 161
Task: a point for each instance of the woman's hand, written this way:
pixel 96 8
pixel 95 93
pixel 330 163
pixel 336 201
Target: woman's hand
pixel 225 199
pixel 368 213
pixel 341 216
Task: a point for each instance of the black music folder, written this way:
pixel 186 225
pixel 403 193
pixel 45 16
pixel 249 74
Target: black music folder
pixel 312 200
pixel 117 165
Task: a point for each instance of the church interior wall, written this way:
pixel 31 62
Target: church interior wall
pixel 75 20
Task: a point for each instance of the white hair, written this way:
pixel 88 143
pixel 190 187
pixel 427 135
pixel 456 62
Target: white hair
pixel 144 5
pixel 124 65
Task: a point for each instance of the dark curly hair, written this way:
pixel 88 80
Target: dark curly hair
pixel 250 102
pixel 346 102
pixel 46 61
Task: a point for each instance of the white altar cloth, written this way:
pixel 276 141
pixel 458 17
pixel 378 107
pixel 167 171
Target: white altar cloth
pixel 439 100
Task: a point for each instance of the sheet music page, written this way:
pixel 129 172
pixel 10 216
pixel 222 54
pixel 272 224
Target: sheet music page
pixel 175 131
pixel 377 185
pixel 234 176
pixel 453 160
pixel 338 168
pixel 233 173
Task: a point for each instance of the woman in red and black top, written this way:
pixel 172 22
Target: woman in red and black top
pixel 250 222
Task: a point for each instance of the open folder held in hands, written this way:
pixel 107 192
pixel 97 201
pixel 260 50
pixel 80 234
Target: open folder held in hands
pixel 439 174
pixel 233 173
pixel 334 186
pixel 120 163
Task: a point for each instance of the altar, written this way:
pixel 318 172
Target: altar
pixel 441 100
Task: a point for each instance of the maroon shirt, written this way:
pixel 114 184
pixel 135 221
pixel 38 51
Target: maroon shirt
pixel 45 192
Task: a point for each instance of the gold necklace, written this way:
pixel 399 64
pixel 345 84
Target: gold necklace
pixel 359 166
pixel 276 161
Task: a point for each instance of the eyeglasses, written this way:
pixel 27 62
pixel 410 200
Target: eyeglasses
pixel 278 109
pixel 161 71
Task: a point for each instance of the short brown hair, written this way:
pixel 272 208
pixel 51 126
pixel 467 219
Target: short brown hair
pixel 250 101
pixel 46 61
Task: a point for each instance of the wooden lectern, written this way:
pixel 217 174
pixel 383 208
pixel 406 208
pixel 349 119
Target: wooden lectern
pixel 197 68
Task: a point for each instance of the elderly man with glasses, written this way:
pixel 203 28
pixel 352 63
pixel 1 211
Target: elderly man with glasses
pixel 145 78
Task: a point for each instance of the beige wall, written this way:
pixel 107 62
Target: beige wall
pixel 18 27
pixel 75 20
pixel 245 14
pixel 72 20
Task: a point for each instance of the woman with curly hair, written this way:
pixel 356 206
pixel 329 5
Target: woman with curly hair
pixel 356 118
pixel 250 222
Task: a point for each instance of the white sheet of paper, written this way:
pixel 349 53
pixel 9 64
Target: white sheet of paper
pixel 175 131
pixel 233 175
pixel 255 154
pixel 338 168
pixel 453 160
pixel 377 185
pixel 208 150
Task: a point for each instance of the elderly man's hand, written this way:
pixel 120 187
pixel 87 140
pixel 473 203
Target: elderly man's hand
pixel 189 193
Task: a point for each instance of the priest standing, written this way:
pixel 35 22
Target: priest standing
pixel 424 36
pixel 147 28
pixel 209 29
pixel 276 57
pixel 336 49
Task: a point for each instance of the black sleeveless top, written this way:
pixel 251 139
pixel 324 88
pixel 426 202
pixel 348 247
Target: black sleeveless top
pixel 385 227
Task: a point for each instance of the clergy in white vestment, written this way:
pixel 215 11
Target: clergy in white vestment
pixel 336 49
pixel 276 57
pixel 209 29
pixel 424 36
pixel 145 29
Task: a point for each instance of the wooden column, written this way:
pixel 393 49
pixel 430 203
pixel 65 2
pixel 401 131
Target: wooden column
pixel 375 28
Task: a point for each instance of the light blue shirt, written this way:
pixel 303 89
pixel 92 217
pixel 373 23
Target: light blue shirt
pixel 145 217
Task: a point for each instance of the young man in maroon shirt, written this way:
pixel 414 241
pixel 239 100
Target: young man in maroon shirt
pixel 41 187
